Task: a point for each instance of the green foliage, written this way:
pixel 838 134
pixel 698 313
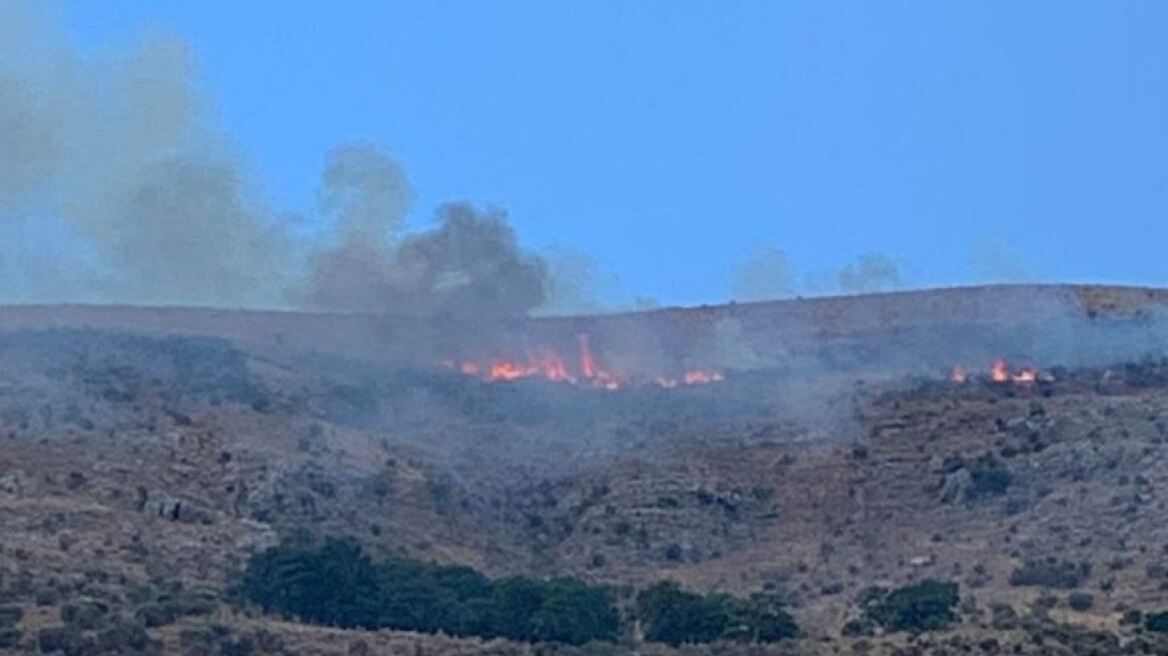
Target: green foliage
pixel 10 616
pixel 988 478
pixel 1050 573
pixel 675 616
pixel 1081 601
pixel 925 606
pixel 338 585
pixel 1156 622
pixel 335 585
pixel 574 613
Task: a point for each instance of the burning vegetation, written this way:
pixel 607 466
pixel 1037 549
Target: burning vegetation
pixel 1000 373
pixel 585 369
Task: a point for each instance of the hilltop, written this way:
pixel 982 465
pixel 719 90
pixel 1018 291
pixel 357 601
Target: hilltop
pixel 148 453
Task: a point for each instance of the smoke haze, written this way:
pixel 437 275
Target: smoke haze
pixel 117 186
pixel 763 275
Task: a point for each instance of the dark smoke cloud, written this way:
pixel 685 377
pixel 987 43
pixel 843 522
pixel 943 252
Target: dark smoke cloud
pixel 113 168
pixel 470 264
pixel 116 186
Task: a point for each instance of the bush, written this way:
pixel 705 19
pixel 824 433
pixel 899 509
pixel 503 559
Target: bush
pixel 338 585
pixel 926 606
pixel 125 638
pixel 988 478
pixel 84 615
pixel 1156 622
pixel 1051 574
pixel 674 616
pixel 66 639
pixel 10 638
pixel 1080 601
pixel 10 616
pixel 335 585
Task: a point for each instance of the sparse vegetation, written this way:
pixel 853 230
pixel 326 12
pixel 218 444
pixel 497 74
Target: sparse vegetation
pixel 1050 573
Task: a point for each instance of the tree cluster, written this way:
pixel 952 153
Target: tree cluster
pixel 926 606
pixel 338 585
pixel 675 616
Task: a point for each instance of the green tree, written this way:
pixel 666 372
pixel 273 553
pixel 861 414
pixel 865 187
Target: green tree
pixel 674 616
pixel 924 606
pixel 335 585
pixel 575 613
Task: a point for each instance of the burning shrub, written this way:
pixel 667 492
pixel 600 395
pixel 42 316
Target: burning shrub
pixel 926 606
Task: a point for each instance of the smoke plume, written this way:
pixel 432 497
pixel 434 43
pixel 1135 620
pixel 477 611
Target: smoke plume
pixel 115 158
pixel 763 275
pixel 871 272
pixel 112 171
pixel 469 264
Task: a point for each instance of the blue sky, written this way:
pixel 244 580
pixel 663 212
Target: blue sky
pixel 669 139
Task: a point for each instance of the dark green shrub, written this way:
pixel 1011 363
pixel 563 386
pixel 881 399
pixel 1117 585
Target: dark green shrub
pixel 85 615
pixel 1080 601
pixel 340 586
pixel 66 639
pixel 675 616
pixel 574 613
pixel 1050 574
pixel 125 638
pixel 10 638
pixel 1156 622
pixel 10 616
pixel 335 585
pixel 988 478
pixel 925 606
pixel 198 641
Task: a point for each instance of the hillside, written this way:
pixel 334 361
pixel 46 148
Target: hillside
pixel 148 453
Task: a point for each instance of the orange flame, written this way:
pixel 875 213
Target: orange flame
pixel 1025 376
pixel 1000 371
pixel 587 362
pixel 549 365
pixel 958 375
